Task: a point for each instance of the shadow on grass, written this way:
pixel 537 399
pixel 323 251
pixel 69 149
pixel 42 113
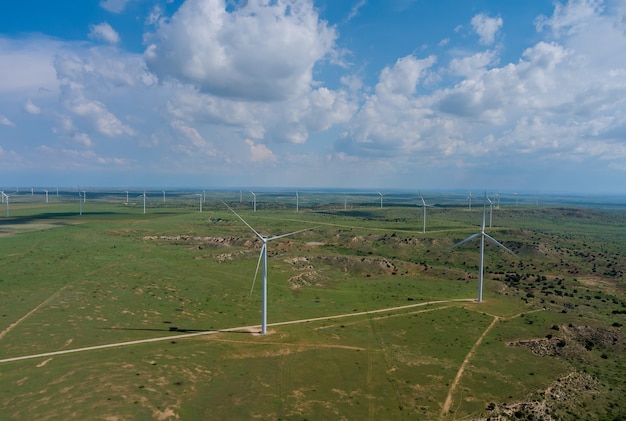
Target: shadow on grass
pixel 176 329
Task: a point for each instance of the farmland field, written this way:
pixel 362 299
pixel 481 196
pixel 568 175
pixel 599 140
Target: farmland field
pixel 116 314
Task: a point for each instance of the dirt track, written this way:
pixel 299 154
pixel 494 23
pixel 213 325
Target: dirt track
pixel 234 329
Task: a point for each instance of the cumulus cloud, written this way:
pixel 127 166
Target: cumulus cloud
pixel 104 32
pixel 260 153
pixel 26 65
pixel 31 108
pixel 571 17
pixel 114 6
pixel 261 50
pixel 100 117
pixel 6 122
pixel 486 27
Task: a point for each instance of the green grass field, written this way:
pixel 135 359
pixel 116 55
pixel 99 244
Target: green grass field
pixel 395 333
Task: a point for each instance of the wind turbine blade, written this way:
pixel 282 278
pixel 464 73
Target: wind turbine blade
pixel 256 272
pixel 497 243
pixel 242 220
pixel 470 238
pixel 291 233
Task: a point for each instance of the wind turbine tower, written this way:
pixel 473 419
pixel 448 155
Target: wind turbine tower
pixel 483 235
pixel 126 197
pixel 253 201
pixel 163 196
pixel 80 204
pixel 469 197
pixel 198 194
pixel 262 257
pixel 424 205
pixel 5 198
pixel 381 199
pixel 46 195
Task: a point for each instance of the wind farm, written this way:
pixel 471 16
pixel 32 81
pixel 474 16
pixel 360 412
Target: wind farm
pixel 363 312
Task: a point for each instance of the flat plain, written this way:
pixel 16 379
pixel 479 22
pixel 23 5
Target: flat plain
pixel 116 314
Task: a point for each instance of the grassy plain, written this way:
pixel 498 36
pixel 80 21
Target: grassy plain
pixel 547 340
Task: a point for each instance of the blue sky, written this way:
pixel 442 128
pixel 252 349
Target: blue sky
pixel 405 94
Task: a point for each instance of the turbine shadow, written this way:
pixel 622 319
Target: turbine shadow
pixel 175 330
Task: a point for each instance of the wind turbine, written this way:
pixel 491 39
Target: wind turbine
pixel 84 196
pixel 46 195
pixel 424 205
pixel 144 201
pixel 198 194
pixel 381 199
pixel 80 204
pixel 263 256
pixel 490 210
pixel 163 196
pixel 126 196
pixel 253 200
pixel 483 235
pixel 469 197
pixel 5 198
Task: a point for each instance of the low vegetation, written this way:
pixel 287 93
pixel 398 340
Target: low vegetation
pixel 369 317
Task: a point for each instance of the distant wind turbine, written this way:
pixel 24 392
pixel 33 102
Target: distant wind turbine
pixel 469 197
pixel 381 199
pixel 46 195
pixel 5 198
pixel 126 196
pixel 424 205
pixel 490 210
pixel 253 200
pixel 144 201
pixel 198 194
pixel 80 204
pixel 482 234
pixel 163 196
pixel 263 257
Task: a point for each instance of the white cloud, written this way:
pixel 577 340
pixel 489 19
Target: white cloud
pixel 31 108
pixel 571 17
pixel 6 122
pixel 114 6
pixel 26 65
pixel 260 153
pixel 486 27
pixel 261 50
pixel 104 32
pixel 100 118
pixel 402 78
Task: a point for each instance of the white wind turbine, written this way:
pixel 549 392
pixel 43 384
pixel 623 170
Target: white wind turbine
pixel 381 199
pixel 126 196
pixel 490 210
pixel 80 203
pixel 163 196
pixel 5 198
pixel 424 205
pixel 482 235
pixel 263 256
pixel 198 194
pixel 144 201
pixel 46 195
pixel 469 197
pixel 253 200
